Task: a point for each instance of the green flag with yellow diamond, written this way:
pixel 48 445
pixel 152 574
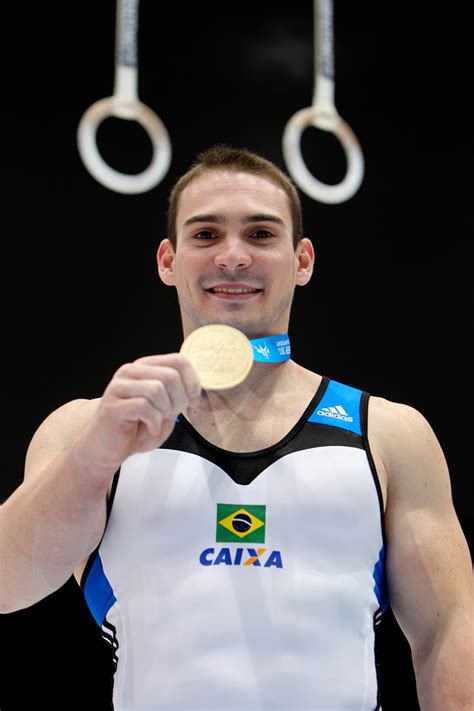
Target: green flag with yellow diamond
pixel 237 523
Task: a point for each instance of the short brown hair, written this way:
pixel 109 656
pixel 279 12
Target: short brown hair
pixel 224 157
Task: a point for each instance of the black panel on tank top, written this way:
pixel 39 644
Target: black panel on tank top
pixel 243 468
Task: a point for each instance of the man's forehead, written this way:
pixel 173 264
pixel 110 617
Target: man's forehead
pixel 214 190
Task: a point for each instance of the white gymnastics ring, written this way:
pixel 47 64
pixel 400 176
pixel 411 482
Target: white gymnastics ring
pixel 313 187
pixel 124 104
pixel 95 164
pixel 323 114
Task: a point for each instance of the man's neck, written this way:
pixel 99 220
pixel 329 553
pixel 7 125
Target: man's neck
pixel 261 384
pixel 259 412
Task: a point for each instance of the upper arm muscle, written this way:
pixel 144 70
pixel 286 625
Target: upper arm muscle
pixel 428 564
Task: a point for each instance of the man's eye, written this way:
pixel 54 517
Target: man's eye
pixel 204 234
pixel 261 234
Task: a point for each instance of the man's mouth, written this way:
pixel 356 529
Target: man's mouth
pixel 233 291
pixel 236 290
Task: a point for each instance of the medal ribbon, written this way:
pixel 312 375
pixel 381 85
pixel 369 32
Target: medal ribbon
pixel 272 349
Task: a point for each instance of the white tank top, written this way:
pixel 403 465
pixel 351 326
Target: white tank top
pixel 246 582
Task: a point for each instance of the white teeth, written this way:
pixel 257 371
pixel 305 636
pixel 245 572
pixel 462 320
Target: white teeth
pixel 220 289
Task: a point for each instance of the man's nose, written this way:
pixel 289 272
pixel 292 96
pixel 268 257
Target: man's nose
pixel 233 254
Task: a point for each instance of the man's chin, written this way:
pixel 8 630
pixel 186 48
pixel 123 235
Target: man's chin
pixel 251 329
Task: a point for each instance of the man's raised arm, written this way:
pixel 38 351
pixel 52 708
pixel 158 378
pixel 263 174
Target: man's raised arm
pixel 56 517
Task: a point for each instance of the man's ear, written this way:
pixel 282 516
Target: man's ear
pixel 304 256
pixel 165 259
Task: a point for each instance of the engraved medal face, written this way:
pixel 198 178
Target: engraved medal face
pixel 222 355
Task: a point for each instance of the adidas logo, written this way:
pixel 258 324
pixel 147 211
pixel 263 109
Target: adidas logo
pixel 337 412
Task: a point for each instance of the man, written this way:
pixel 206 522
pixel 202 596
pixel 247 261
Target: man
pixel 235 545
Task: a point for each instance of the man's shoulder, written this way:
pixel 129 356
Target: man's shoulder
pixel 58 430
pixel 74 411
pixel 401 433
pixel 388 414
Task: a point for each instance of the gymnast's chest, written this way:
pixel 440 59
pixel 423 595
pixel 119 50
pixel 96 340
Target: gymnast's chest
pixel 171 504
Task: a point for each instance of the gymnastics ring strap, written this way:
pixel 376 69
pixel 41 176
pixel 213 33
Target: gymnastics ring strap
pixel 323 114
pixel 124 104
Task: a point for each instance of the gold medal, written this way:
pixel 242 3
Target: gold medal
pixel 222 355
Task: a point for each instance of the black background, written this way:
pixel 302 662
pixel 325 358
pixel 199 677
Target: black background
pixel 388 309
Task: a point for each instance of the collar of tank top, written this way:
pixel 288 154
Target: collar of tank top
pixel 272 349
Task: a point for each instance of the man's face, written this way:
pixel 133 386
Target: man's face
pixel 235 262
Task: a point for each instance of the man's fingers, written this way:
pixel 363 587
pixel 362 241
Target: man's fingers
pixel 168 399
pixel 147 440
pixel 180 363
pixel 138 412
pixel 179 385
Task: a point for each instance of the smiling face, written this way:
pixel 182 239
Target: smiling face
pixel 235 262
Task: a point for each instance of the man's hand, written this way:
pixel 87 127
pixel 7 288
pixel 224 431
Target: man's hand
pixel 138 409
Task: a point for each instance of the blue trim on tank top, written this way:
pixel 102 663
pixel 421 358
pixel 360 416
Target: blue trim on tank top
pixel 380 587
pixel 339 407
pixel 98 592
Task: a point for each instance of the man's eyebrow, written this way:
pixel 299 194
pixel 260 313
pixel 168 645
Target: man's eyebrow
pixel 221 219
pixel 218 219
pixel 264 218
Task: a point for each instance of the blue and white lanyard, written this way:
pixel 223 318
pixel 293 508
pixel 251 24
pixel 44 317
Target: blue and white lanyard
pixel 272 349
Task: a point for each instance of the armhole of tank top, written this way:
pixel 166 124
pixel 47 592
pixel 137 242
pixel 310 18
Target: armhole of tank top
pixel 364 418
pixel 111 497
pixel 93 555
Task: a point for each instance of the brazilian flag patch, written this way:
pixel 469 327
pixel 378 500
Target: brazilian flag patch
pixel 240 523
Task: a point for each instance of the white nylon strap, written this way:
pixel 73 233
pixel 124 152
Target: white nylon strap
pixel 323 114
pixel 124 104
